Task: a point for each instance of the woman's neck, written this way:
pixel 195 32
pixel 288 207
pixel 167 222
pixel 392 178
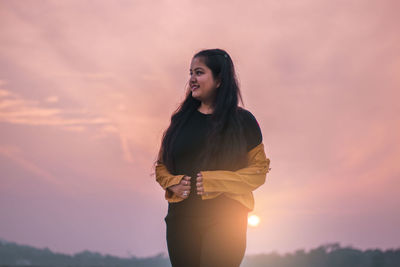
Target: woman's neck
pixel 205 108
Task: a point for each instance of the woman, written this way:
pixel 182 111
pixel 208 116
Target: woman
pixel 210 160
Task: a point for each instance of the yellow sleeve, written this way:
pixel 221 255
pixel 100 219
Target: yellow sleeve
pixel 166 179
pixel 243 180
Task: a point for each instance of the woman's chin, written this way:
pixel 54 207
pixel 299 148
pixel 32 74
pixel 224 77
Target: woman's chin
pixel 196 95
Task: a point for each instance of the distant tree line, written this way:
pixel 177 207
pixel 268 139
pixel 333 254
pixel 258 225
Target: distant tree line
pixel 12 254
pixel 330 255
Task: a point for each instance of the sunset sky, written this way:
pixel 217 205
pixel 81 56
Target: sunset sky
pixel 88 87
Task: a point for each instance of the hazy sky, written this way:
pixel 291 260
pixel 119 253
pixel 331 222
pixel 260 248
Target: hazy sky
pixel 88 87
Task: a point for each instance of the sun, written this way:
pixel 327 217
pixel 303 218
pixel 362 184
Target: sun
pixel 253 220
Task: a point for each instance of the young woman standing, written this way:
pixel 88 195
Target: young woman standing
pixel 210 160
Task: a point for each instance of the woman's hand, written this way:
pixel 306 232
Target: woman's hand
pixel 199 184
pixel 183 188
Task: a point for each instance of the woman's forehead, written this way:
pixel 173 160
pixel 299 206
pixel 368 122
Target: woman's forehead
pixel 197 63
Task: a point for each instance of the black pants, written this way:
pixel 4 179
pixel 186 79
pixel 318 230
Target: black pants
pixel 209 241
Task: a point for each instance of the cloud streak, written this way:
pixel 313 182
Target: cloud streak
pixel 15 109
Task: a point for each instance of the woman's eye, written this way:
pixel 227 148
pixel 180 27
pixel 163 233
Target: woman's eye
pixel 197 73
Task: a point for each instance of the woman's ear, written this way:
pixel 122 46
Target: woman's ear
pixel 218 82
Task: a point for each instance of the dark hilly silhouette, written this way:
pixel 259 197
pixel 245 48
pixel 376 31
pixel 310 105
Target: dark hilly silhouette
pixel 330 255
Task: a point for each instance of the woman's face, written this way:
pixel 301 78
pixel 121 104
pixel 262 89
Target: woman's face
pixel 202 82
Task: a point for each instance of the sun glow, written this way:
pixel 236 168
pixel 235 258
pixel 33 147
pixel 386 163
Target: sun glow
pixel 253 220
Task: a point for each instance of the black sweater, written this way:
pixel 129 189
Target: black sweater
pixel 190 141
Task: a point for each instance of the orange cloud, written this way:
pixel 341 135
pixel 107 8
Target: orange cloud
pixel 17 110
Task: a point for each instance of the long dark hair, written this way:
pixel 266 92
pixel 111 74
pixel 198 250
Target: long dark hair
pixel 225 146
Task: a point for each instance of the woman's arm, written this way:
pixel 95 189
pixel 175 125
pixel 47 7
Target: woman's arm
pixel 238 182
pixel 243 180
pixel 166 179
